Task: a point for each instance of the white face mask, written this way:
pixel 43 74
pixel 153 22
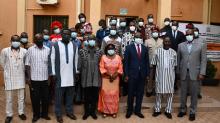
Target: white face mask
pixel 46 37
pixel 113 32
pixel 174 28
pixel 57 31
pixel 111 52
pixel 82 31
pixel 15 44
pixel 140 23
pixel 138 41
pixel 189 38
pixel 166 23
pixel 113 22
pixel 82 20
pixel 150 20
pixel 91 43
pixel 155 35
pixel 132 28
pixel 24 40
pixel 73 35
pixel 122 24
pixel 196 33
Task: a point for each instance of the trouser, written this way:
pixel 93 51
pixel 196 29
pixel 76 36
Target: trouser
pixel 59 95
pixel 135 89
pixel 151 83
pixel 169 98
pixel 194 86
pixel 91 95
pixel 9 102
pixel 39 92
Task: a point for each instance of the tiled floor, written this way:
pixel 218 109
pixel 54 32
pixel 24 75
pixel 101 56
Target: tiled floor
pixel 208 111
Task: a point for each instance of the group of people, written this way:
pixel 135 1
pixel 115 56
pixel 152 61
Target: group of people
pixel 134 55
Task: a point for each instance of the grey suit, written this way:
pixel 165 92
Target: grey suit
pixel 191 63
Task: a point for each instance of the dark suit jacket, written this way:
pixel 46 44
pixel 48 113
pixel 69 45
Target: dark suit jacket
pixel 180 37
pixel 134 66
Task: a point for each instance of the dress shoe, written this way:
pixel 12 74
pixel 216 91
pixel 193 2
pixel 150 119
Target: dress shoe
pixel 192 117
pixel 59 119
pixel 199 96
pixel 85 116
pixel 128 115
pixel 94 116
pixel 155 114
pixel 22 117
pixel 46 117
pixel 168 115
pixel 71 116
pixel 35 119
pixel 8 119
pixel 181 114
pixel 140 115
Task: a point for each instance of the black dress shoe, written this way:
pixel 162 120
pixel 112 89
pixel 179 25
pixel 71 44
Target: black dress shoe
pixel 128 115
pixel 46 117
pixel 85 116
pixel 155 114
pixel 149 94
pixel 22 117
pixel 192 117
pixel 168 115
pixel 181 114
pixel 71 116
pixel 94 116
pixel 199 96
pixel 35 119
pixel 8 119
pixel 139 115
pixel 59 119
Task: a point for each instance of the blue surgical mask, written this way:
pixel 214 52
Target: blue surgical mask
pixel 24 40
pixel 85 43
pixel 73 35
pixel 155 34
pixel 57 31
pixel 15 44
pixel 138 41
pixel 122 24
pixel 113 22
pixel 92 43
pixel 189 38
pixel 113 32
pixel 46 37
pixel 111 52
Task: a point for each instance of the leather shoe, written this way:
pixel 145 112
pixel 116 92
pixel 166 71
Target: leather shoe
pixel 128 115
pixel 168 115
pixel 35 119
pixel 22 117
pixel 85 116
pixel 155 114
pixel 46 117
pixel 181 114
pixel 59 119
pixel 192 117
pixel 71 116
pixel 139 115
pixel 94 116
pixel 8 119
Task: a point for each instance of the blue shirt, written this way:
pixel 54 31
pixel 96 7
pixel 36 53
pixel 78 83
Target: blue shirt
pixel 48 43
pixel 77 42
pixel 101 33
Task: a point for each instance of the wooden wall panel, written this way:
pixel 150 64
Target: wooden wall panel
pixel 215 16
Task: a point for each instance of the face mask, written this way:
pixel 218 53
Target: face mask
pixel 138 41
pixel 85 43
pixel 113 22
pixel 82 31
pixel 24 40
pixel 73 35
pixel 132 28
pixel 57 31
pixel 39 43
pixel 111 52
pixel 196 33
pixel 92 43
pixel 82 20
pixel 122 24
pixel 174 28
pixel 15 44
pixel 113 32
pixel 140 23
pixel 150 20
pixel 65 38
pixel 155 35
pixel 189 38
pixel 166 23
pixel 46 37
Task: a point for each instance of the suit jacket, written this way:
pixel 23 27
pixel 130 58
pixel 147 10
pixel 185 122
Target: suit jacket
pixel 134 66
pixel 196 58
pixel 180 37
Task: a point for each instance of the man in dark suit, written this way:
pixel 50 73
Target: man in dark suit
pixel 136 72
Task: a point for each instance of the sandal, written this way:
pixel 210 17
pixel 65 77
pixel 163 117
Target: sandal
pixel 114 115
pixel 104 115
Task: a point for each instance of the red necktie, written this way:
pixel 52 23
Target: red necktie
pixel 139 52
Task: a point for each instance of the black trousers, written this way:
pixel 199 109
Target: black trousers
pixel 39 92
pixel 91 95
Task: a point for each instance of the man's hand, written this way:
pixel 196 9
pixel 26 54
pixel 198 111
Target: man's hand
pixel 200 77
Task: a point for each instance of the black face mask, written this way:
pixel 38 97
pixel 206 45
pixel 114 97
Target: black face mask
pixel 65 38
pixel 39 43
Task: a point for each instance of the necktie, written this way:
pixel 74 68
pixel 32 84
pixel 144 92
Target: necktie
pixel 139 51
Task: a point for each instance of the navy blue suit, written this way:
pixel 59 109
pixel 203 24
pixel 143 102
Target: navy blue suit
pixel 137 69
